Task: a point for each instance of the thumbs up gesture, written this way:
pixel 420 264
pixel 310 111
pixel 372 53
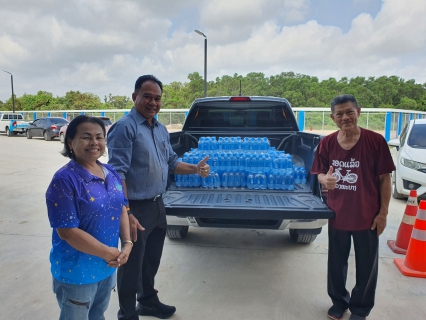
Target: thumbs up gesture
pixel 330 181
pixel 203 169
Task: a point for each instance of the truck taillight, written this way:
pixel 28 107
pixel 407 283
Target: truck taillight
pixel 14 124
pixel 240 99
pixel 53 127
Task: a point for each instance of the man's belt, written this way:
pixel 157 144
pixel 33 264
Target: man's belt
pixel 155 199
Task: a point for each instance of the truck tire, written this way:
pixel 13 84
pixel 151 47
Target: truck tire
pixel 395 193
pixel 46 136
pixel 304 235
pixel 8 132
pixel 28 134
pixel 177 232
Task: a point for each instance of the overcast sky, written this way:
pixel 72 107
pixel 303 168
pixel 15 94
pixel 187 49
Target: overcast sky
pixel 102 46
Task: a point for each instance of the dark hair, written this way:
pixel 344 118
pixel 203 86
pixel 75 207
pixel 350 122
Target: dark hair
pixel 72 131
pixel 144 78
pixel 343 99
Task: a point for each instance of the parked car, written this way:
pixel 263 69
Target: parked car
pixel 47 127
pixel 410 173
pixel 12 123
pixel 107 122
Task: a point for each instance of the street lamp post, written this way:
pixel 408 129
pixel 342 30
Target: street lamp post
pixel 205 61
pixel 13 95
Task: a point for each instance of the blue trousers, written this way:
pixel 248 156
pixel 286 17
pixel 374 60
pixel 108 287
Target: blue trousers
pixel 86 301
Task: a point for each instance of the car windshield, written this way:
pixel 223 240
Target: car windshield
pixel 417 137
pixel 59 120
pixel 107 122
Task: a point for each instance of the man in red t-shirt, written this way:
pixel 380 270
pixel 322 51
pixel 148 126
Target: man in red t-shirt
pixel 354 165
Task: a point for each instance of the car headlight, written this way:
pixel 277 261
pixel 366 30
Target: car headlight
pixel 412 164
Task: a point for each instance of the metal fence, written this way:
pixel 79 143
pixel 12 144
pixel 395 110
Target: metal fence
pixel 388 122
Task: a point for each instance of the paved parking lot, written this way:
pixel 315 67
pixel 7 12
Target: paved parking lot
pixel 212 274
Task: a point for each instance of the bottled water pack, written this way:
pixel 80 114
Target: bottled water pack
pixel 242 163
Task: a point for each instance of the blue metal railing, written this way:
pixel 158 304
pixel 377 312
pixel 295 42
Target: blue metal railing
pixel 390 123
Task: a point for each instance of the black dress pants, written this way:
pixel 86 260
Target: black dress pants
pixel 366 243
pixel 135 279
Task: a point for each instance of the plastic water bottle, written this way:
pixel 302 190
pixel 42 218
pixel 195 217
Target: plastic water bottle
pixel 178 180
pixel 213 143
pixel 303 178
pixel 237 182
pixel 220 144
pixel 225 179
pixel 263 181
pixel 290 181
pixel 191 180
pixel 234 162
pixel 228 166
pixel 216 180
pixel 209 180
pixel 243 176
pixel 197 180
pixel 232 143
pixel 222 162
pixel 271 180
pixel 266 163
pixel 226 143
pixel 231 179
pixel 257 180
pixel 250 181
pixel 297 175
pixel 204 182
pixel 278 181
pixel 184 180
pixel 238 144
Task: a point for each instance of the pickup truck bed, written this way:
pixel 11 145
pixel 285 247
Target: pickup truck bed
pixel 301 210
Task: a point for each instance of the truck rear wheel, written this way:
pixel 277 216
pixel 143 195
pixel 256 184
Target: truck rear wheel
pixel 304 235
pixel 177 232
pixel 8 132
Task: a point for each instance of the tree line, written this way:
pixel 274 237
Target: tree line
pixel 299 89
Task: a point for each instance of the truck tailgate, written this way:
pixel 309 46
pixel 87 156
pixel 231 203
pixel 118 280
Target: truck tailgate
pixel 245 204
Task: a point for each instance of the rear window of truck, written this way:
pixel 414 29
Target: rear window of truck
pixel 241 116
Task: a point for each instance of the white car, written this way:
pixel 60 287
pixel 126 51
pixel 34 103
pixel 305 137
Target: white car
pixel 410 164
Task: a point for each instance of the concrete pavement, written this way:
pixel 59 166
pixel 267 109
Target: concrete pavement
pixel 212 274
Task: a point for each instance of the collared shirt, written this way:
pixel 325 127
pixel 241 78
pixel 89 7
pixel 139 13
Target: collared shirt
pixel 141 154
pixel 77 199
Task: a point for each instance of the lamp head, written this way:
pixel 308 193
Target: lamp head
pixel 200 33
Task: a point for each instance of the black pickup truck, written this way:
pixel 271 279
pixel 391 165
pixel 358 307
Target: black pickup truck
pixel 301 210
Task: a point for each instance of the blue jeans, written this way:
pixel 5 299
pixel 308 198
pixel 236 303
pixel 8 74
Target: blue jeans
pixel 86 301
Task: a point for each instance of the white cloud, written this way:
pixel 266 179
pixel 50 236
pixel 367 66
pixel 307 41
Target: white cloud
pixel 103 46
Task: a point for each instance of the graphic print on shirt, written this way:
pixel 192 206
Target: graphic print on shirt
pixel 347 180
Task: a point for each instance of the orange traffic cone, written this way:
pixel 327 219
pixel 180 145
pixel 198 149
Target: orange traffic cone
pixel 406 227
pixel 414 264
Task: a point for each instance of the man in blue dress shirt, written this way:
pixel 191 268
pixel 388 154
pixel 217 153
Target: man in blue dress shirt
pixel 140 151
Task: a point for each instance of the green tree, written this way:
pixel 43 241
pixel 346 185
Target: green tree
pixel 75 100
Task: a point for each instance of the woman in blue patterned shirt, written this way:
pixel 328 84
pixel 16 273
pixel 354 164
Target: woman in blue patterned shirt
pixel 87 211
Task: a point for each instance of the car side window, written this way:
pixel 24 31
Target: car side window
pixel 403 136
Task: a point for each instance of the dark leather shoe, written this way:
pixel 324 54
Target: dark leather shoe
pixel 159 310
